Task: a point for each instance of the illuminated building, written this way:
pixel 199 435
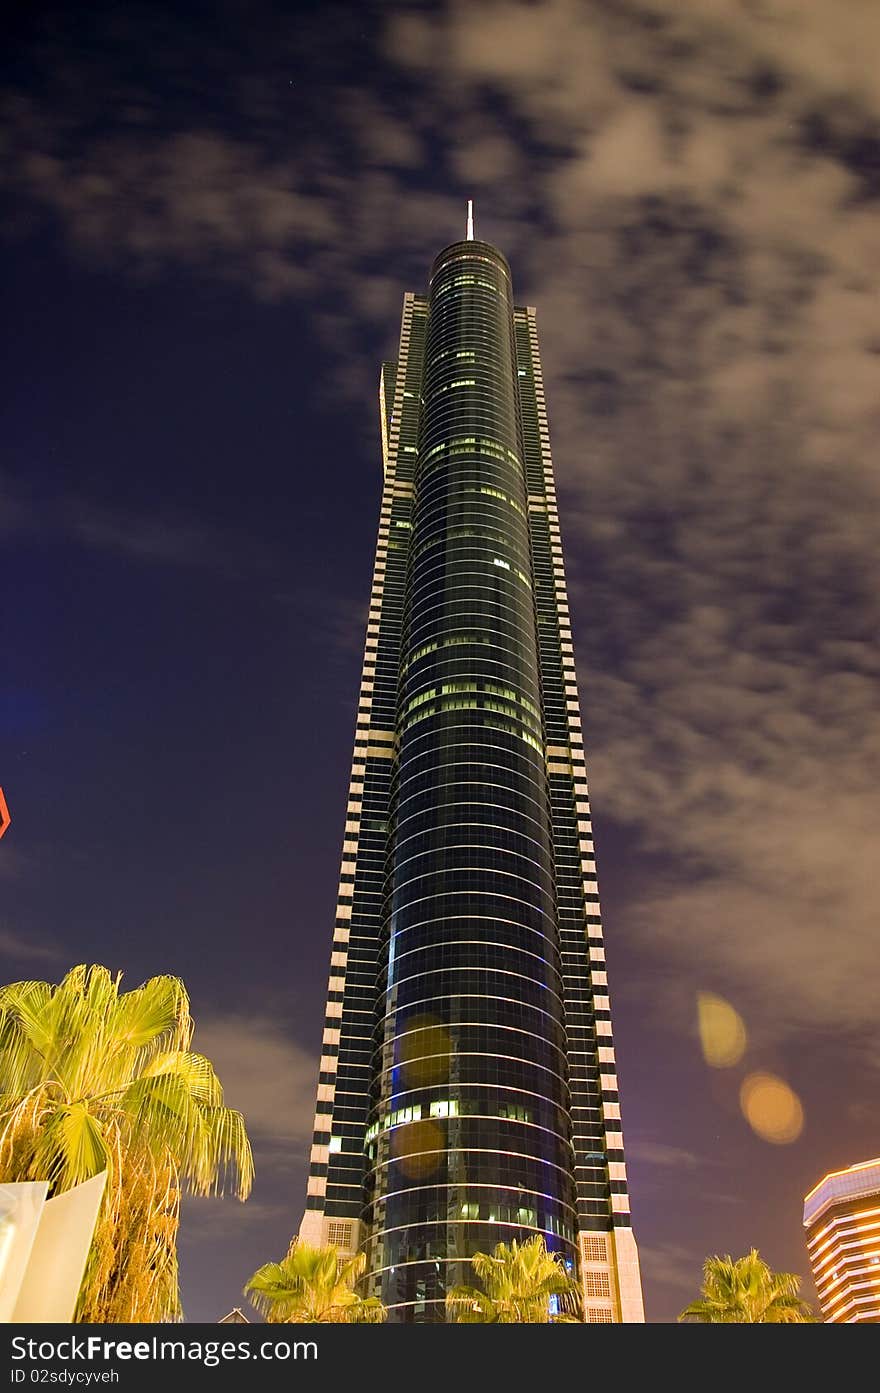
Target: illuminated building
pixel 842 1223
pixel 468 1088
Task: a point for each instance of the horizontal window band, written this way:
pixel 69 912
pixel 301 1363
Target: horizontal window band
pixel 489 920
pixel 503 1192
pixel 534 893
pixel 464 1092
pixel 477 821
pixel 381 1234
pixel 488 1082
pixel 381 1165
pixel 557 1136
pixel 454 944
pixel 475 759
pixel 516 863
pixel 474 894
pixel 554 1016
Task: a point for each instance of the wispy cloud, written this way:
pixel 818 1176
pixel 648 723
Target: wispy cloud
pixel 673 1266
pixel 176 540
pixel 659 1154
pixel 336 623
pixel 153 538
pixel 16 948
pixel 207 1219
pixel 266 1075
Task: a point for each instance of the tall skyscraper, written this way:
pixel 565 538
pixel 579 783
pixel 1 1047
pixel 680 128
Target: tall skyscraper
pixel 468 1090
pixel 842 1223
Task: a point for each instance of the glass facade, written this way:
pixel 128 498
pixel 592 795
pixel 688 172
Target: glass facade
pixel 467 1091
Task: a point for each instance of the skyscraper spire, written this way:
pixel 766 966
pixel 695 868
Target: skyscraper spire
pixel 470 221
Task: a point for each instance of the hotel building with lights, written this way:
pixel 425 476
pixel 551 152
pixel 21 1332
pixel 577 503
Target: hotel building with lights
pixel 842 1224
pixel 468 1090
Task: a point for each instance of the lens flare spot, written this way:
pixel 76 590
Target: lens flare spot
pixel 425 1051
pixel 771 1108
pixel 418 1148
pixel 722 1031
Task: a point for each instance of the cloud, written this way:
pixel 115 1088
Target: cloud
pixel 156 198
pixel 382 138
pixel 14 864
pixel 206 1218
pixel 266 1075
pixel 671 1265
pixel 336 624
pixel 176 540
pixel 151 538
pixel 272 1080
pixel 17 948
pixel 659 1154
pixel 703 177
pixel 141 537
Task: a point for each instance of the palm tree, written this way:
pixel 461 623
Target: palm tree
pixel 313 1285
pixel 95 1079
pixel 522 1283
pixel 746 1290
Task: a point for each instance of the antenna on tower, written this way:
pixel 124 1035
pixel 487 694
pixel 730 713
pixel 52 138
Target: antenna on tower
pixel 470 221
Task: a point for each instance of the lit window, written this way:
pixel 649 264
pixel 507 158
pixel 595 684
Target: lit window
pixel 444 1107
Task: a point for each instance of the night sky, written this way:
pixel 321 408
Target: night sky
pixel 211 214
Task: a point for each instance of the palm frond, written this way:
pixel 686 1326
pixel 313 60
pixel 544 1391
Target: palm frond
pixel 367 1310
pixel 312 1284
pixel 226 1159
pixel 24 1037
pixel 522 1283
pixel 157 1015
pixel 746 1291
pixel 95 1079
pixel 469 1306
pixel 70 1148
pixel 196 1072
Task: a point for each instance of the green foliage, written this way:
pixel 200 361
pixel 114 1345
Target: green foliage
pixel 92 1079
pixel 517 1283
pixel 313 1285
pixel 746 1291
